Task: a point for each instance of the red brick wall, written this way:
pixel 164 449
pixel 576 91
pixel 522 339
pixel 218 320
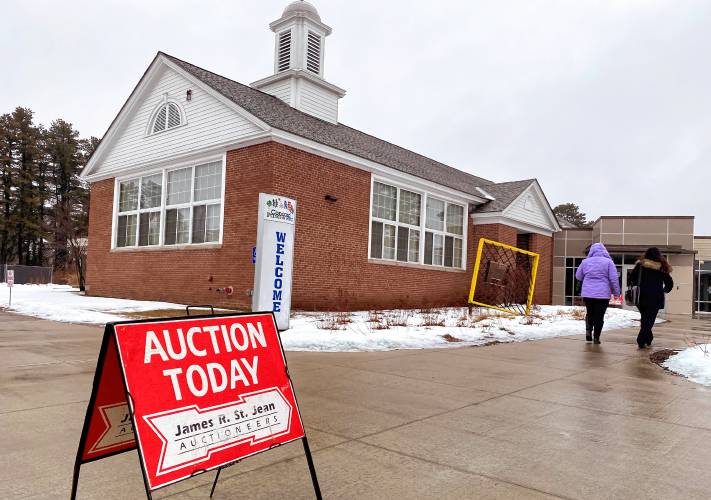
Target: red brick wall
pixel 543 245
pixel 331 266
pixel 183 275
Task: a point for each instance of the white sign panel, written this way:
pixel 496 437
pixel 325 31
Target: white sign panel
pixel 275 257
pixel 10 279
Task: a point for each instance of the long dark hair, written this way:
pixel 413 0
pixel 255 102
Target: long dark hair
pixel 654 254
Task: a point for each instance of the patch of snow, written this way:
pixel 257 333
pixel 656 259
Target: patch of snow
pixel 322 332
pixel 66 304
pixel 338 332
pixel 693 363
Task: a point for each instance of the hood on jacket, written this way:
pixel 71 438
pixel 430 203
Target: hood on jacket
pixel 598 250
pixel 652 264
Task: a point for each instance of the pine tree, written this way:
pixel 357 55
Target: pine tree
pixel 69 193
pixel 6 190
pixel 24 157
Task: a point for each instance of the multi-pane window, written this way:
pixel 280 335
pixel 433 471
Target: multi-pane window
pixel 397 225
pixel 188 212
pixel 444 233
pixel 139 212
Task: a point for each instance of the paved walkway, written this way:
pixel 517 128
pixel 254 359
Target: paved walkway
pixel 555 418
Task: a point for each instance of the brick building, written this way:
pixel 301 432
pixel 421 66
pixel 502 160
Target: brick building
pixel 175 183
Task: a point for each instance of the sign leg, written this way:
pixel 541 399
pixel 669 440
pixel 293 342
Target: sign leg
pixel 75 481
pixel 312 469
pixel 214 483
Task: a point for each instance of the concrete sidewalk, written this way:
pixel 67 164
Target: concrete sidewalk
pixel 552 418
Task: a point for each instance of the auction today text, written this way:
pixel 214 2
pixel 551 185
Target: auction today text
pixel 198 341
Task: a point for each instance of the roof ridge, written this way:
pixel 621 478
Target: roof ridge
pixel 339 135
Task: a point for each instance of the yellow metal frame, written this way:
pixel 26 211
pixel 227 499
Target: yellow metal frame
pixel 534 273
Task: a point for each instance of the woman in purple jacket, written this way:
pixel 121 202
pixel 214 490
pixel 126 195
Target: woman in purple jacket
pixel 600 283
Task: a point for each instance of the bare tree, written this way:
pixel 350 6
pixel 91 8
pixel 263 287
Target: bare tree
pixel 77 247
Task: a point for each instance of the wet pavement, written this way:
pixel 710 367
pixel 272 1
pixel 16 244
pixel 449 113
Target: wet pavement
pixel 554 418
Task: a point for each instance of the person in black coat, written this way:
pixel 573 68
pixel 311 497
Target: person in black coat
pixel 652 274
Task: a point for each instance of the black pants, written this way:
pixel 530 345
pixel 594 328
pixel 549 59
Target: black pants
pixel 595 318
pixel 649 316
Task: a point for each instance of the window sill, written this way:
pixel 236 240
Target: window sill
pixel 156 248
pixel 416 266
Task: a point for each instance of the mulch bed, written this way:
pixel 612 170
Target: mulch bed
pixel 659 357
pixel 662 355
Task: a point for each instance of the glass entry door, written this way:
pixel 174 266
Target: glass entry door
pixel 703 303
pixel 626 273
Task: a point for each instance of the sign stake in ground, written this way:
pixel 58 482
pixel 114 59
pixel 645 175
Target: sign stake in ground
pixel 191 394
pixel 10 279
pixel 504 277
pixel 274 257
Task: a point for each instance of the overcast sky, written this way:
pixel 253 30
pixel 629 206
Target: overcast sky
pixel 607 103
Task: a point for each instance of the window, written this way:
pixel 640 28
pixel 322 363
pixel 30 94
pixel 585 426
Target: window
pixel 167 116
pixel 284 50
pixel 444 233
pixel 139 211
pixel 395 231
pixel 397 225
pixel 189 208
pixel 313 53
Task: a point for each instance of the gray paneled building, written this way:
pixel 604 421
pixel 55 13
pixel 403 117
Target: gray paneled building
pixel 626 237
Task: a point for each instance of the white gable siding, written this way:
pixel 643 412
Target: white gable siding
pixel 528 208
pixel 209 123
pixel 316 101
pixel 280 89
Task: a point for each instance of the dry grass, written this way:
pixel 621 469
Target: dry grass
pixel 374 316
pixel 701 342
pixel 451 338
pixel 343 318
pixel 330 321
pixel 578 313
pixel 397 318
pixel 432 317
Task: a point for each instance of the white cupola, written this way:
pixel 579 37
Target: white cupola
pixel 299 44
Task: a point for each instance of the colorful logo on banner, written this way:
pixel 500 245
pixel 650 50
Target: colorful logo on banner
pixel 206 392
pixel 280 210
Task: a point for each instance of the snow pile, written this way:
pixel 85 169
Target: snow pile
pixel 67 304
pixel 338 332
pixel 693 363
pixel 448 327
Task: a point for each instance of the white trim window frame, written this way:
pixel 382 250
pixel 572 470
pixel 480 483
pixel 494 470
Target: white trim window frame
pixel 187 207
pixel 397 231
pixel 445 242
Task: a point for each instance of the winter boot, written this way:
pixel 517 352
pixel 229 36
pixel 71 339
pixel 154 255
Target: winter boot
pixel 597 339
pixel 588 336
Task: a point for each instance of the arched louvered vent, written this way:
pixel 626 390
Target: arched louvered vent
pixel 167 116
pixel 284 51
pixel 313 53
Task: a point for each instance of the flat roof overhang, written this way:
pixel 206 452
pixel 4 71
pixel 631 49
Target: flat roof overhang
pixel 639 249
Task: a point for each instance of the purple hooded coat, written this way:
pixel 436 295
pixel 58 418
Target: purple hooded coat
pixel 598 274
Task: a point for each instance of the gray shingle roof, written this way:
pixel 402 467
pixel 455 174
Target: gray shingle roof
pixel 280 115
pixel 505 193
